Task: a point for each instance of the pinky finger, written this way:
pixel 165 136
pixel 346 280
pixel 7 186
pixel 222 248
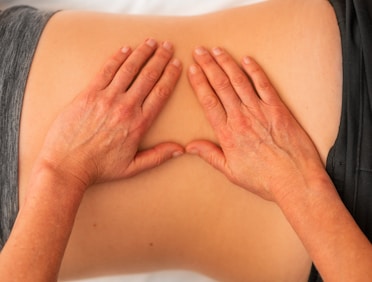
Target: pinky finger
pixel 110 68
pixel 264 88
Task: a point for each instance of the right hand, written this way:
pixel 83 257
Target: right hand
pixel 96 138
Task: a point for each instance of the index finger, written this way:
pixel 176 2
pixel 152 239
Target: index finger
pixel 208 99
pixel 261 82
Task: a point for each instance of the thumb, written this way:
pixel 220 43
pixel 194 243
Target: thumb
pixel 154 157
pixel 209 152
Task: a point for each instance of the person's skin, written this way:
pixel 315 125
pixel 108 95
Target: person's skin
pixel 264 150
pixel 95 139
pixel 185 214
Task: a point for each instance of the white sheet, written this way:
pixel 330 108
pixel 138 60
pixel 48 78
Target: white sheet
pixel 160 7
pixel 164 7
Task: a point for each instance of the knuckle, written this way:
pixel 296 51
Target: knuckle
pixel 227 140
pixel 260 80
pixel 282 121
pixel 172 71
pixel 115 119
pixel 209 102
pixel 171 75
pixel 241 124
pixel 264 85
pixel 221 83
pixel 150 75
pixel 129 110
pixel 103 104
pixel 131 68
pixel 212 159
pixel 157 158
pixel 224 58
pixel 110 69
pixel 125 112
pixel 198 80
pixel 254 69
pixel 162 92
pixel 238 79
pixel 145 51
pixel 207 60
pixel 163 54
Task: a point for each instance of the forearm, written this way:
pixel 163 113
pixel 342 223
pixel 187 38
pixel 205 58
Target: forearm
pixel 266 151
pixel 36 246
pixel 337 246
pixel 95 139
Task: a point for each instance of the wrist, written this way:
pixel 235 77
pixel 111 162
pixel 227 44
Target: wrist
pixel 315 211
pixel 59 176
pixel 46 217
pixel 301 184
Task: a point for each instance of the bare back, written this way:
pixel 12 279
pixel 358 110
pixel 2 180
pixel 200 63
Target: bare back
pixel 184 213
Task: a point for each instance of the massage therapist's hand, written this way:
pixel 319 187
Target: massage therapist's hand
pixel 96 138
pixel 262 147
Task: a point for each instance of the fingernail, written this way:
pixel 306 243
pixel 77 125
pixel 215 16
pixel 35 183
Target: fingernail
pixel 193 69
pixel 200 51
pixel 247 60
pixel 177 154
pixel 176 63
pixel 217 51
pixel 193 151
pixel 151 42
pixel 167 45
pixel 125 49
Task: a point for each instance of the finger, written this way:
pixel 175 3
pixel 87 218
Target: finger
pixel 110 68
pixel 154 157
pixel 132 66
pixel 261 82
pixel 161 92
pixel 151 73
pixel 209 101
pixel 218 80
pixel 209 152
pixel 238 79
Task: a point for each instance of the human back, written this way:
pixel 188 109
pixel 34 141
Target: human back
pixel 184 213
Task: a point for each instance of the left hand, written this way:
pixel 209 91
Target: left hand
pixel 262 147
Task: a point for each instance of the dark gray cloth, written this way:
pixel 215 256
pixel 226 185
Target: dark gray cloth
pixel 20 30
pixel 349 162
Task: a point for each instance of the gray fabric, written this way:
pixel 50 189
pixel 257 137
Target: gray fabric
pixel 20 29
